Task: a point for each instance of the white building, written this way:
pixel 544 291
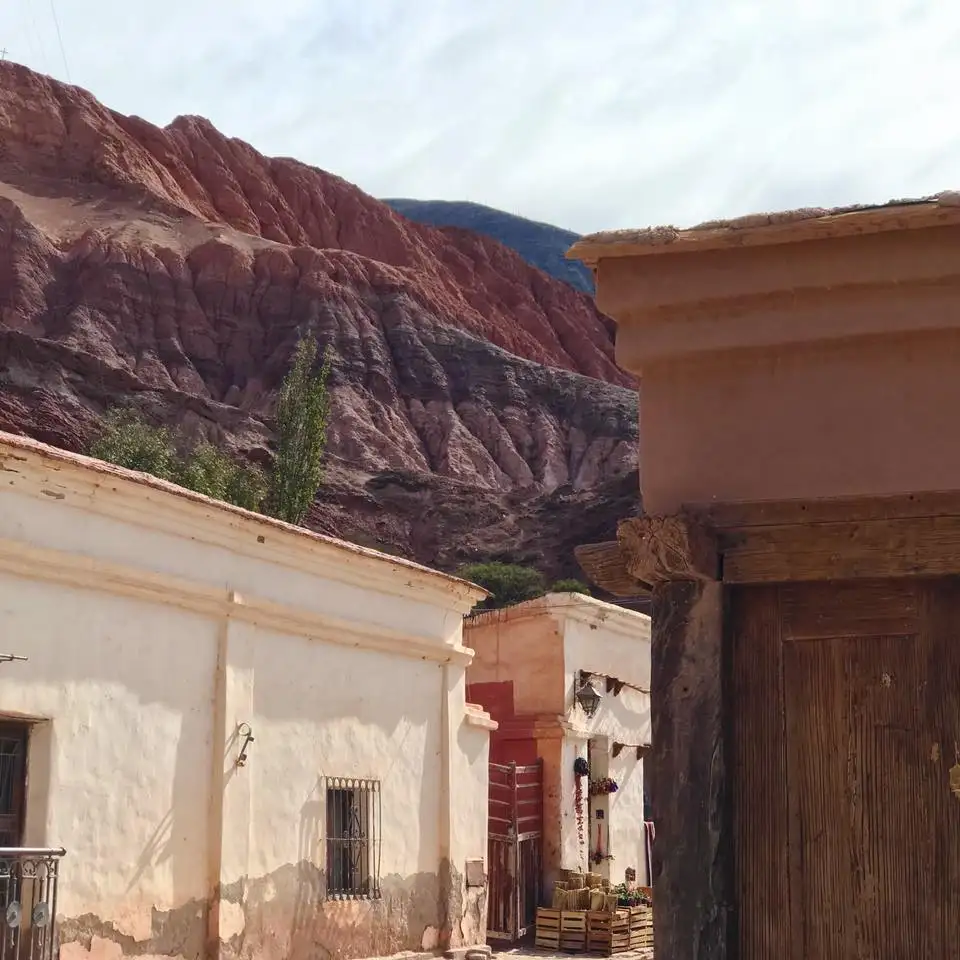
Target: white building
pixel 252 741
pixel 534 663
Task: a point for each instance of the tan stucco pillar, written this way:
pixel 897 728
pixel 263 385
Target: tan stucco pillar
pixel 231 809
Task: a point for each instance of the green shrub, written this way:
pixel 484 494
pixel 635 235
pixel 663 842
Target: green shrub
pixel 570 586
pixel 127 440
pixel 205 469
pixel 248 487
pixel 508 583
pixel 213 473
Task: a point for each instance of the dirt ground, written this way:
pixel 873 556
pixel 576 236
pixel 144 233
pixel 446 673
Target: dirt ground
pixel 522 952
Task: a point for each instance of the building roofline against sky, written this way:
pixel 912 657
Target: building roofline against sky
pixel 760 229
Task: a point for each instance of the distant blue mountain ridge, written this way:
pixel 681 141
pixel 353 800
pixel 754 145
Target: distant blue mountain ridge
pixel 540 244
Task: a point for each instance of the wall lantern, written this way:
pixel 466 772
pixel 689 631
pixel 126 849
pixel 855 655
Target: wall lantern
pixel 587 696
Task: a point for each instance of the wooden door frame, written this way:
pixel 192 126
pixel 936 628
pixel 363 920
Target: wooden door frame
pixel 686 560
pixel 15 729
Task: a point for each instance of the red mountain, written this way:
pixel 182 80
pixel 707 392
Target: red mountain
pixel 475 398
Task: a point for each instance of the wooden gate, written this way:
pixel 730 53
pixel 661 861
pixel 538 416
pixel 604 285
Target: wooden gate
pixel 846 737
pixel 514 849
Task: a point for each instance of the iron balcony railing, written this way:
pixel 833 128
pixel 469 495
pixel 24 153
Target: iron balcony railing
pixel 28 902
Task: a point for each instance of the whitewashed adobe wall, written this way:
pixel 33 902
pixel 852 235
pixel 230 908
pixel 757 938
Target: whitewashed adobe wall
pixel 156 622
pixel 610 641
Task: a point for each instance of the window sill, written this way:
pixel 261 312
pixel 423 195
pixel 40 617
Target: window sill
pixel 476 716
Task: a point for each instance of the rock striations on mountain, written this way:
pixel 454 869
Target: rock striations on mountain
pixel 476 400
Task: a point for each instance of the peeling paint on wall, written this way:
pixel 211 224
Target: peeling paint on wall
pixel 284 916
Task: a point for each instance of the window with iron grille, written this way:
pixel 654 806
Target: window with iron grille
pixel 353 839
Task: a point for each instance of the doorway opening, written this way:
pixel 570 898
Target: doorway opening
pixel 14 737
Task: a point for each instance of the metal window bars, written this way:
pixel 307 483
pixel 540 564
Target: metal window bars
pixel 28 902
pixel 353 839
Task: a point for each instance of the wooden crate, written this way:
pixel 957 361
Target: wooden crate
pixel 641 927
pixel 573 930
pixel 548 928
pixel 608 933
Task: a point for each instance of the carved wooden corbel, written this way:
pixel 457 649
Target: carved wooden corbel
pixel 663 549
pixel 604 566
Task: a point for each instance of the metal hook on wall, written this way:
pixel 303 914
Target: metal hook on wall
pixel 245 734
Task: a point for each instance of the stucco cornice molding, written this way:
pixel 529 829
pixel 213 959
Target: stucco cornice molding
pixel 45 473
pixel 52 566
pixel 791 317
pixel 476 716
pixel 576 607
pixel 634 629
pixel 572 730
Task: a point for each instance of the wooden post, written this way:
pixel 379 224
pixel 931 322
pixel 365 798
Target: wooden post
pixel 687 770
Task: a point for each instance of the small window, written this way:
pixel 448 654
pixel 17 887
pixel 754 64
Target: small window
pixel 353 839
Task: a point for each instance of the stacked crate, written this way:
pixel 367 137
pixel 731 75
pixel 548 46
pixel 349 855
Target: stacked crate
pixel 548 928
pixel 608 933
pixel 573 930
pixel 641 928
pixel 585 918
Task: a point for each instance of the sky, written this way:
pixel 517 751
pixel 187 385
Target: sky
pixel 591 116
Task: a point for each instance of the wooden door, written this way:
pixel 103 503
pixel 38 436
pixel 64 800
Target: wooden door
pixel 13 780
pixel 514 849
pixel 845 727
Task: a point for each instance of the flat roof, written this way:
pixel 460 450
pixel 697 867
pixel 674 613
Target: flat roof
pixel 11 443
pixel 571 604
pixel 759 229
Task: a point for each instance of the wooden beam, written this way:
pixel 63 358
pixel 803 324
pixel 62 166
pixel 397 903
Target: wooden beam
pixel 738 515
pixel 863 549
pixel 687 772
pixel 660 549
pixel 604 566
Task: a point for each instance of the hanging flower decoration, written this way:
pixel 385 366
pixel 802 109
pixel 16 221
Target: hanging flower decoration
pixel 599 856
pixel 578 807
pixel 603 786
pixel 581 769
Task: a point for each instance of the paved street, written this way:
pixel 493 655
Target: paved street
pixel 522 952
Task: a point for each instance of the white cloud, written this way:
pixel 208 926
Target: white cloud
pixel 641 111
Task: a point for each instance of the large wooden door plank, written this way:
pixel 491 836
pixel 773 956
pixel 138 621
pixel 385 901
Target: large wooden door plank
pixel 758 776
pixel 869 549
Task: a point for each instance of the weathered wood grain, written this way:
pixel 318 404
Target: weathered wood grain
pixel 687 770
pixel 604 565
pixel 845 701
pixel 757 768
pixel 760 513
pixel 850 550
